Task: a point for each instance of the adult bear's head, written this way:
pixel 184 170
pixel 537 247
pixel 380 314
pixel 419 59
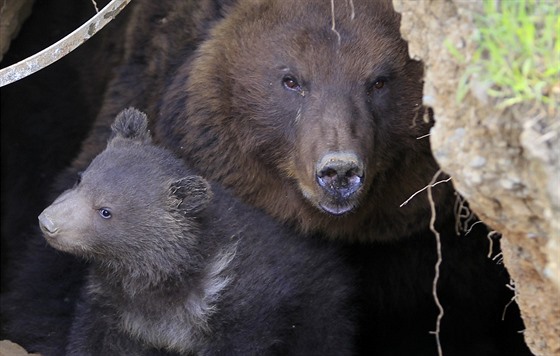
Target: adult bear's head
pixel 311 111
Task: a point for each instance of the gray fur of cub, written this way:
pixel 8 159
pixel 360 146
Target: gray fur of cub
pixel 180 266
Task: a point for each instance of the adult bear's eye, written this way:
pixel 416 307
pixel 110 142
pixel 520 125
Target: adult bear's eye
pixel 291 83
pixel 105 213
pixel 377 84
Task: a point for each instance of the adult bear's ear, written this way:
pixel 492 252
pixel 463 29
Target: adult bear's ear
pixel 132 124
pixel 193 194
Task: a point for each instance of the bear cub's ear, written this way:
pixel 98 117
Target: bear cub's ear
pixel 132 124
pixel 193 192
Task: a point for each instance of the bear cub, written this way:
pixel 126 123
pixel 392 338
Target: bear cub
pixel 180 266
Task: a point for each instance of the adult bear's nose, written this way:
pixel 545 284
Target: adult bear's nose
pixel 340 174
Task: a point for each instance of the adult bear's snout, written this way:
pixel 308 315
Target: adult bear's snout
pixel 340 174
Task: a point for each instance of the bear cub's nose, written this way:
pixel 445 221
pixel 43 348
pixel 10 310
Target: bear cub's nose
pixel 47 225
pixel 340 174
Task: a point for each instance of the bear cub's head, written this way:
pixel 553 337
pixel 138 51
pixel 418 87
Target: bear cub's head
pixel 133 197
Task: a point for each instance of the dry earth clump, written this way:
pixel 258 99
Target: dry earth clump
pixel 503 159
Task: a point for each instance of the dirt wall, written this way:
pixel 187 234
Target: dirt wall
pixel 503 161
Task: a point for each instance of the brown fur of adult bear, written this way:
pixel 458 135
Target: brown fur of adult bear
pixel 250 133
pixel 255 95
pixel 279 154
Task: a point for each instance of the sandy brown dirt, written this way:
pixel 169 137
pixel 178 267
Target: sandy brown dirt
pixel 504 162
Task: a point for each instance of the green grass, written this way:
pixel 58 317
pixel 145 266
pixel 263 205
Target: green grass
pixel 517 56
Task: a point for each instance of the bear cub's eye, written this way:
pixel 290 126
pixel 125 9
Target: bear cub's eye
pixel 105 213
pixel 291 83
pixel 78 178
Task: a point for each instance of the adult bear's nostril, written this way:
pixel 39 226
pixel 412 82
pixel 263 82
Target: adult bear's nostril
pixel 340 174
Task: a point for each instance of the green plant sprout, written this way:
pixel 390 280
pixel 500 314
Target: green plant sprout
pixel 517 56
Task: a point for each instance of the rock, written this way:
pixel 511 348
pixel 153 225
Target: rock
pixel 12 16
pixel 8 348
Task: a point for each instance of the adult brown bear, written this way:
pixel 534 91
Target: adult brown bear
pixel 312 111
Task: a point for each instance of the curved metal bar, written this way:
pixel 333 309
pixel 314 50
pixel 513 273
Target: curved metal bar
pixel 61 48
